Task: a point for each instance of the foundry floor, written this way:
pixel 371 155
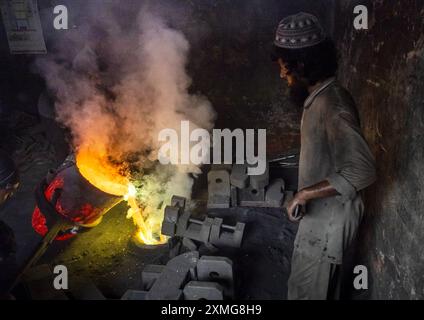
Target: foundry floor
pixel 106 255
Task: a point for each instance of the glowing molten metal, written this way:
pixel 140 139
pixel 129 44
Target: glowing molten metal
pixel 112 179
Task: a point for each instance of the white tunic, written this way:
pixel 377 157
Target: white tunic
pixel 332 149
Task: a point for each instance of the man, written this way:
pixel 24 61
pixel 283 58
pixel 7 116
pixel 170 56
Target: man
pixel 9 182
pixel 335 161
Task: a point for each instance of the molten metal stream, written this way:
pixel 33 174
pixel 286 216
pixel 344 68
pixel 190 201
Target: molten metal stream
pixel 108 178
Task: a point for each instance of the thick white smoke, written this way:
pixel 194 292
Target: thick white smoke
pixel 120 88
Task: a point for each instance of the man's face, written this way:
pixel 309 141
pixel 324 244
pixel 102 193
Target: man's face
pixel 7 193
pixel 298 87
pixel 285 74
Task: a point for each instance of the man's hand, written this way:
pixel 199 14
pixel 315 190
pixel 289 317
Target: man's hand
pixel 319 190
pixel 298 200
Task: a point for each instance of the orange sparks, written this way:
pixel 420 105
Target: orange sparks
pixel 110 178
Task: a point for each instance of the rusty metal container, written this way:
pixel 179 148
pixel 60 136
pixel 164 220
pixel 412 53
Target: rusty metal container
pixel 71 197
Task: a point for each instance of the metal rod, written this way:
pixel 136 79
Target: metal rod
pixel 39 252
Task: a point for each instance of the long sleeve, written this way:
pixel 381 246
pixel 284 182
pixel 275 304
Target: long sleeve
pixel 353 161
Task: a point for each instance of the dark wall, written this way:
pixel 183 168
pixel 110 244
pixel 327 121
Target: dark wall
pixel 384 69
pixel 229 61
pixel 231 64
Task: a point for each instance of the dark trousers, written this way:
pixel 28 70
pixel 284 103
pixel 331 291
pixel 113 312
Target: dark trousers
pixel 313 279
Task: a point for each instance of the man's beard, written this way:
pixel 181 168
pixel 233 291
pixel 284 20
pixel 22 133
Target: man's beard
pixel 298 93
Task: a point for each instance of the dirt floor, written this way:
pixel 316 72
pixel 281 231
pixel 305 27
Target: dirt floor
pixel 107 256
